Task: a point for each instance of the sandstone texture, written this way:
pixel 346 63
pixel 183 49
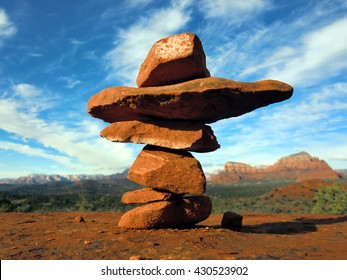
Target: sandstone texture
pixel 172 60
pixel 146 195
pixel 302 167
pixel 206 100
pixel 299 167
pixel 176 171
pixel 164 214
pixel 184 135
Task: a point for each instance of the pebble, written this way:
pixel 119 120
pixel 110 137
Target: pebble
pixel 79 219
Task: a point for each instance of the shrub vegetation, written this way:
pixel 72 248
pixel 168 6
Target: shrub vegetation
pixel 330 200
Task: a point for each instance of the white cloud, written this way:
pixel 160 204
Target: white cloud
pixel 35 54
pixel 78 145
pixel 76 42
pixel 234 10
pixel 26 91
pixel 30 151
pixel 137 3
pixel 7 28
pixel 318 55
pixel 71 82
pixel 31 98
pixel 301 47
pixel 134 43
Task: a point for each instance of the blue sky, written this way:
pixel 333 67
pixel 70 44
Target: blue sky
pixel 54 55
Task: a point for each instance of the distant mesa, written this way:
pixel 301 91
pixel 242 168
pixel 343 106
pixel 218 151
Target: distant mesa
pixel 341 172
pixel 40 179
pixel 299 167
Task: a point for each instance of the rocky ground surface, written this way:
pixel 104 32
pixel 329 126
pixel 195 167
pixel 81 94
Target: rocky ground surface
pixel 264 236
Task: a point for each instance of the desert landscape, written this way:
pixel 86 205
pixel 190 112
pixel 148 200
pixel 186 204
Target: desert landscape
pixel 173 130
pixel 264 236
pixel 56 217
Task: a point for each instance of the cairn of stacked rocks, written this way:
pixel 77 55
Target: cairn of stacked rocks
pixel 169 111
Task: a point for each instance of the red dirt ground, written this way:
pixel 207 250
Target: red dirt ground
pixel 264 236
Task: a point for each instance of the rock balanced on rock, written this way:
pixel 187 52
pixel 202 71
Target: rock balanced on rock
pixel 169 111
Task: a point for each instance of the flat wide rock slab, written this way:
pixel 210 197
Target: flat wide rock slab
pixel 183 135
pixel 206 100
pixel 146 195
pixel 172 60
pixel 167 214
pixel 176 171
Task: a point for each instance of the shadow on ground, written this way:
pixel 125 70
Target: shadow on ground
pixel 298 226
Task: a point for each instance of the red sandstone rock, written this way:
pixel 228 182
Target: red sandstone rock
pixel 172 60
pixel 206 100
pixel 184 135
pixel 239 167
pixel 146 195
pixel 79 219
pixel 299 167
pixel 232 221
pixel 302 167
pixel 176 171
pixel 164 214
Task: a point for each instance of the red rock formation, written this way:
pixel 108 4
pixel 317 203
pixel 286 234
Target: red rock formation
pixel 168 112
pixel 146 195
pixel 162 214
pixel 184 135
pixel 207 100
pixel 174 59
pixel 300 167
pixel 175 171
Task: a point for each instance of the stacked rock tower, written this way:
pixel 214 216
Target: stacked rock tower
pixel 169 111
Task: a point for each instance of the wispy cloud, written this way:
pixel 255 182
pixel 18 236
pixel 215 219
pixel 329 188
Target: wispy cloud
pixel 30 151
pixel 138 3
pixel 31 98
pixel 77 146
pixel 26 91
pixel 134 42
pixel 7 28
pixel 235 11
pixel 316 56
pixel 76 42
pixel 35 54
pixel 70 82
pixel 301 50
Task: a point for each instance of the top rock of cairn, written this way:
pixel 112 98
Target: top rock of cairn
pixel 172 60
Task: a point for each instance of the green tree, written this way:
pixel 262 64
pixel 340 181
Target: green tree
pixel 330 200
pixel 5 205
